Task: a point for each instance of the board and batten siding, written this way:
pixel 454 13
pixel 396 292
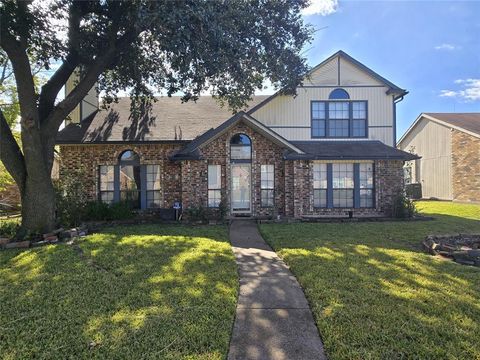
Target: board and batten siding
pixel 290 116
pixel 433 142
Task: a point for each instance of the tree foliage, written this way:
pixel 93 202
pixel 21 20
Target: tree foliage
pixel 226 47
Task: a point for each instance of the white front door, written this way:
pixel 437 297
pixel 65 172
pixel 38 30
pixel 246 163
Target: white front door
pixel 241 188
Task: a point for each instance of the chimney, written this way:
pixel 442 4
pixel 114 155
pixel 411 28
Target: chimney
pixel 87 106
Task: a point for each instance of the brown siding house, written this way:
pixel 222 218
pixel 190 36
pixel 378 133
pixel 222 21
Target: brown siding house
pixel 331 155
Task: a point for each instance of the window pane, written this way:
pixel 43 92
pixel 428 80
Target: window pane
pixel 338 110
pixel 267 177
pixel 320 176
pixel 214 198
pixel 342 176
pixel 359 110
pixel 106 177
pixel 366 176
pixel 106 196
pixel 338 128
pixel 153 177
pixel 267 197
pixel 366 198
pixel 240 152
pixel 318 128
pixel 359 128
pixel 130 177
pixel 214 177
pixel 132 197
pixel 320 198
pixel 318 110
pixel 153 199
pixel 342 198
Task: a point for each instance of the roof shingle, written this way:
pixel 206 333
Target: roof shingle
pixel 466 121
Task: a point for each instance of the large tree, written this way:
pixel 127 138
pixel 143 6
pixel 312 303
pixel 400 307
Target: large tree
pixel 229 47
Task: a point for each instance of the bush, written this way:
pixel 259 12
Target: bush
pixel 196 213
pixel 9 227
pixel 71 198
pixel 403 207
pixel 100 211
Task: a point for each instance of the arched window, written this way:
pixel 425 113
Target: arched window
pixel 240 147
pixel 129 180
pixel 339 94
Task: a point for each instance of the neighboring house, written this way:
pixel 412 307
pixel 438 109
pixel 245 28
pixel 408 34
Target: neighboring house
pixel 449 146
pixel 330 150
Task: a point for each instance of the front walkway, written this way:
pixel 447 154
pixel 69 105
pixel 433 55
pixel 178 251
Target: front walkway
pixel 273 320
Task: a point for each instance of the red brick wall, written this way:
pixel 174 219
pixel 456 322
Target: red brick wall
pixel 465 167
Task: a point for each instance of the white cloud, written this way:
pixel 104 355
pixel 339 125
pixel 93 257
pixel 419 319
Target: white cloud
pixel 321 7
pixel 469 93
pixel 447 47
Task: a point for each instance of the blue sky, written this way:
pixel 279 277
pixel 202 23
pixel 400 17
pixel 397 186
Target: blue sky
pixel 430 48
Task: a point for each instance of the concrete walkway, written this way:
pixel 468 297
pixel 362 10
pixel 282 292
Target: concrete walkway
pixel 273 320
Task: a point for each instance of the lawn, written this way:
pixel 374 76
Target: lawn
pixel 139 292
pixel 376 295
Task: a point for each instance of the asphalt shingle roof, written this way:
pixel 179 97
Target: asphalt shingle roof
pixel 168 119
pixel 467 121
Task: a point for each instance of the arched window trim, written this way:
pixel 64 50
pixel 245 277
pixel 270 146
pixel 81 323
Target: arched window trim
pixel 339 94
pixel 244 155
pixel 134 160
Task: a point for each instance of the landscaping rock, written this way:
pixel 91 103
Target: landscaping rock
pixel 462 248
pixel 4 241
pixel 40 243
pixel 51 238
pixel 17 245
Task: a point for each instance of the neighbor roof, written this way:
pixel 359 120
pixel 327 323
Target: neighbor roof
pixel 465 122
pixel 348 150
pixel 168 120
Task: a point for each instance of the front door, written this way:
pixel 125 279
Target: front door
pixel 241 188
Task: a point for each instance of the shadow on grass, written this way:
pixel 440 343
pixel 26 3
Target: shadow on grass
pixel 154 292
pixel 375 294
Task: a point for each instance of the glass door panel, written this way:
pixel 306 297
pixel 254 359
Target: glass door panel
pixel 241 187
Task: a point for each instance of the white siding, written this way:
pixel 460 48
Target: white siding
pixel 352 75
pixel 290 116
pixel 433 142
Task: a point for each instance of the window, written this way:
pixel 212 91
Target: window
pixel 366 185
pixel 107 183
pixel 341 119
pixel 153 186
pixel 267 185
pixel 214 185
pixel 359 119
pixel 318 119
pixel 240 147
pixel 129 178
pixel 342 184
pixel 320 185
pixel 339 94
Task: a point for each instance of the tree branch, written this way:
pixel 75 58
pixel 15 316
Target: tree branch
pixel 10 153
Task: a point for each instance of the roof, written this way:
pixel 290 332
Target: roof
pixel 392 88
pixel 191 150
pixel 348 150
pixel 168 119
pixel 466 122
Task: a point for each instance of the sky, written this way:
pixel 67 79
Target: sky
pixel 429 48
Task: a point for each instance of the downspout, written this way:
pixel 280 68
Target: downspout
pixel 395 101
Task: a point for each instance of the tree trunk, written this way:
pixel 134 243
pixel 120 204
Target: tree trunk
pixel 38 206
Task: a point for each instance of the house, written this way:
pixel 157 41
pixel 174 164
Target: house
pixel 449 146
pixel 329 151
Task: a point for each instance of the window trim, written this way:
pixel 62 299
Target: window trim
pixel 267 189
pixel 216 189
pixel 350 119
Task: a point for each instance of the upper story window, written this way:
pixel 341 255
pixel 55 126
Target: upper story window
pixel 339 117
pixel 240 147
pixel 339 94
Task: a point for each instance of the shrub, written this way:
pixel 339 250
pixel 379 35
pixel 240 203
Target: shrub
pixel 71 198
pixel 222 210
pixel 403 207
pixel 100 211
pixel 196 213
pixel 9 227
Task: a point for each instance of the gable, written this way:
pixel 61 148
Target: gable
pixel 326 74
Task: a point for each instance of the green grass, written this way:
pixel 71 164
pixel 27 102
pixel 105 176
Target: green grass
pixel 140 292
pixel 376 295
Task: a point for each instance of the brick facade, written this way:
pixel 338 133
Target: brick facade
pixel 465 167
pixel 187 180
